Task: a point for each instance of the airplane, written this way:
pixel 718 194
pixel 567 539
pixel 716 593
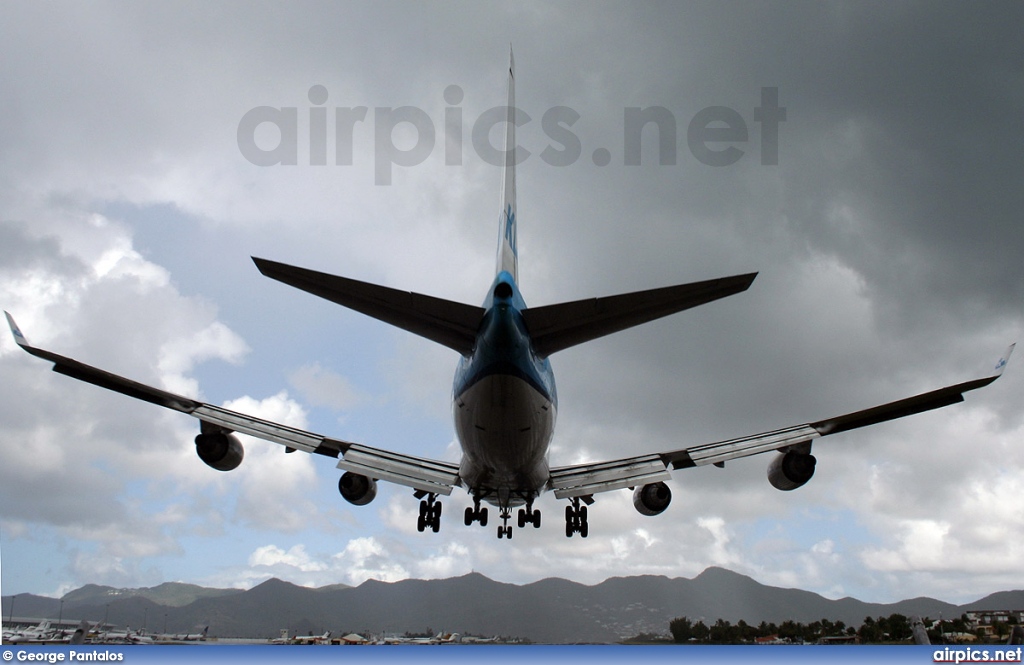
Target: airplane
pixel 82 632
pixel 126 636
pixel 918 631
pixel 504 399
pixel 312 639
pixel 184 637
pixel 38 633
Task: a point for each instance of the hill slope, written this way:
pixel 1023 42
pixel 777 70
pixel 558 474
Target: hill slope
pixel 548 611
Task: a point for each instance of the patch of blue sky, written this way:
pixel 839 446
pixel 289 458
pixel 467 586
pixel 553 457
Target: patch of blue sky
pixel 805 526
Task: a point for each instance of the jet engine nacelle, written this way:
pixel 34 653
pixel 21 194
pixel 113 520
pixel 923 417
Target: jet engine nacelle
pixel 356 489
pixel 791 470
pixel 652 499
pixel 220 450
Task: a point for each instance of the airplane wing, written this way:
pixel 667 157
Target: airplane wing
pixel 443 321
pixel 583 480
pixel 419 473
pixel 559 326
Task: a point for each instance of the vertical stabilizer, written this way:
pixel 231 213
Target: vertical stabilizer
pixel 508 256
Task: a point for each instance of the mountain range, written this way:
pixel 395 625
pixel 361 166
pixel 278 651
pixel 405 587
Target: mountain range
pixel 550 611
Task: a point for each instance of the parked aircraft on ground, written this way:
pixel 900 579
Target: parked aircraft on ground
pixel 504 397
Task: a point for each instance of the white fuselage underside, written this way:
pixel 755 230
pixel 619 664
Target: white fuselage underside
pixel 504 426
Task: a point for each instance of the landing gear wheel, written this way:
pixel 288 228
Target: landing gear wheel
pixel 475 513
pixel 430 514
pixel 505 531
pixel 522 518
pixel 575 519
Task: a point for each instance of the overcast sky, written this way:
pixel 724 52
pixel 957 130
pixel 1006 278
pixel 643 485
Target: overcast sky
pixel 887 237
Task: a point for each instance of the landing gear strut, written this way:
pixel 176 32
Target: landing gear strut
pixel 505 531
pixel 430 514
pixel 576 519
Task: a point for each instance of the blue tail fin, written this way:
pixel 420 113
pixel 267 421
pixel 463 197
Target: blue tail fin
pixel 508 253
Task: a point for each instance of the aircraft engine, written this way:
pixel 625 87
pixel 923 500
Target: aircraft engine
pixel 652 499
pixel 220 450
pixel 356 489
pixel 791 470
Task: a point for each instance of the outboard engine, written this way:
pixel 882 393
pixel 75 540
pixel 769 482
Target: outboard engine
pixel 791 470
pixel 220 450
pixel 652 499
pixel 356 489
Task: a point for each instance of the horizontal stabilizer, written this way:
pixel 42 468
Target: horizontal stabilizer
pixel 557 327
pixel 446 322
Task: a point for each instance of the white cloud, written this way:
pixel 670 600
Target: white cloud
pixel 452 560
pixel 270 556
pixel 273 487
pixel 179 356
pixel 366 558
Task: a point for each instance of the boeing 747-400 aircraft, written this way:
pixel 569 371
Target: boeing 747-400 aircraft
pixel 504 397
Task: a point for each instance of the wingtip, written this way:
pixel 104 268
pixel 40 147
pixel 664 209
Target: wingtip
pixel 1003 360
pixel 261 264
pixel 18 336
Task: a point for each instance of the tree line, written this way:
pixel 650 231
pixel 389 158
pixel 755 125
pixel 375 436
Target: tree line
pixel 893 628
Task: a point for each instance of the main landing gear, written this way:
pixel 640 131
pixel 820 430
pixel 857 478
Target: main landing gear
pixel 476 513
pixel 529 516
pixel 430 513
pixel 576 519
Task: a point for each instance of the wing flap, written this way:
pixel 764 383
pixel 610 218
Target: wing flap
pixel 586 479
pixel 264 429
pixel 557 327
pixel 446 322
pixel 427 475
pixel 723 451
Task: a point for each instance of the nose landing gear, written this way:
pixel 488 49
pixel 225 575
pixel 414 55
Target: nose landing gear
pixel 505 531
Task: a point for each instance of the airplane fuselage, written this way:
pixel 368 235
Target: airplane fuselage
pixel 504 405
